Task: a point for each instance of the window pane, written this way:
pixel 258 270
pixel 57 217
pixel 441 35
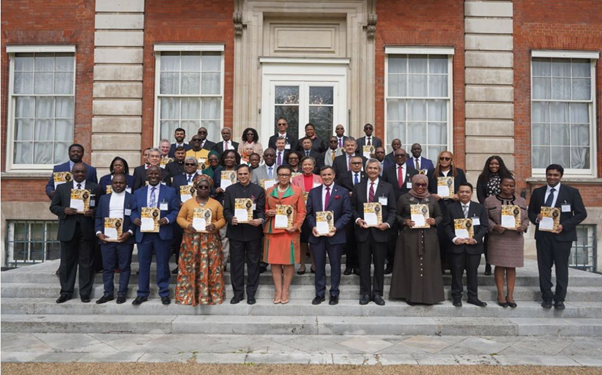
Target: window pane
pixel 63 130
pixel 169 83
pixel 210 84
pixel 191 109
pixel 321 117
pixel 63 83
pixel 417 132
pixel 561 68
pixel 560 134
pixel 64 63
pixel 417 85
pixel 561 89
pixel 170 109
pixel 580 135
pixel 191 62
pixel 417 64
pixel 559 113
pixel 541 134
pixel 191 126
pixel 542 88
pixel 398 64
pixel 395 130
pixel 64 107
pixel 540 112
pixel 397 85
pixel 20 252
pixel 43 83
pixel 23 83
pixel 396 110
pixel 580 157
pixel 43 153
pixel 168 128
pixel 542 68
pixel 25 107
pixel 438 86
pixel 560 155
pixel 321 95
pixel 170 62
pixel 212 63
pixel 213 128
pixel 24 130
pixel 44 130
pixel 291 114
pixel 581 68
pixel 191 83
pixel 286 95
pixel 541 156
pixel 437 110
pixel 438 64
pixel 437 133
pixel 53 250
pixel 24 63
pixel 44 62
pixel 61 152
pixel 211 108
pixel 44 107
pixel 23 153
pixel 582 89
pixel 579 113
pixel 432 152
pixel 416 111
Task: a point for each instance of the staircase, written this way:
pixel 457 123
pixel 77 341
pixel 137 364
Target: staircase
pixel 29 294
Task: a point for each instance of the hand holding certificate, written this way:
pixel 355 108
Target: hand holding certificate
pixel 61 178
pixel 419 215
pixel 463 228
pixel 201 217
pixel 113 229
pixel 373 214
pixel 510 217
pixel 243 210
pixel 186 192
pixel 150 217
pixel 324 222
pixel 550 219
pixel 80 200
pixel 445 187
pixel 284 216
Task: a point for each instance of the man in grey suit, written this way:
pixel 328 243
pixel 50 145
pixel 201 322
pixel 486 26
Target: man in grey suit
pixel 266 171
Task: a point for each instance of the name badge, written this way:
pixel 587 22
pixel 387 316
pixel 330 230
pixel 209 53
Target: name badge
pixel 287 146
pixel 163 206
pixel 254 206
pixel 383 200
pixel 93 203
pixel 127 212
pixel 476 221
pixel 409 185
pixel 566 208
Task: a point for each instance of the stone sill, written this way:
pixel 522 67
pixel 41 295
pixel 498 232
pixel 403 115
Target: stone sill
pixel 26 175
pixel 565 179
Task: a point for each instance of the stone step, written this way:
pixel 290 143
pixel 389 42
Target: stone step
pixel 301 325
pixel 298 292
pixel 265 307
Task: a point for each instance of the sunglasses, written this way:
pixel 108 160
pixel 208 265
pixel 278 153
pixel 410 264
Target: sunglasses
pixel 420 185
pixel 444 158
pixel 356 162
pixel 401 155
pixel 281 124
pixel 195 140
pixel 190 164
pixel 333 141
pixel 203 187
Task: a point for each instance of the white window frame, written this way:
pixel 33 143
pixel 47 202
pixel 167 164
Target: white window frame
pixel 449 51
pixel 10 128
pixel 158 49
pixel 593 57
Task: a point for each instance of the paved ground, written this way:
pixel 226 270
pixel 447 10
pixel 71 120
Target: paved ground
pixel 311 349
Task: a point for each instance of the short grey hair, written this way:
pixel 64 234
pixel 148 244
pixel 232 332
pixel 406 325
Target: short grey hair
pixel 191 158
pixel 154 149
pixel 373 160
pixel 350 139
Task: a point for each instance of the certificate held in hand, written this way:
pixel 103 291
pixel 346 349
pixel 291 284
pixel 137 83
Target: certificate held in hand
pixel 463 228
pixel 550 219
pixel 445 187
pixel 150 217
pixel 61 178
pixel 284 216
pixel 186 192
pixel 367 151
pixel 113 228
pixel 80 200
pixel 243 209
pixel 373 214
pixel 419 214
pixel 201 217
pixel 228 178
pixel 324 222
pixel 510 217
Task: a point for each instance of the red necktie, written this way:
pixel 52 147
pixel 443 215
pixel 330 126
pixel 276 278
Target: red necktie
pixel 327 198
pixel 371 193
pixel 400 176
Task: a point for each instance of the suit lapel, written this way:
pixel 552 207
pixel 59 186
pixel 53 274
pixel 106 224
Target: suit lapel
pixel 561 197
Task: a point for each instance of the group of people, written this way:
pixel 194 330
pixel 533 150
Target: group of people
pixel 397 212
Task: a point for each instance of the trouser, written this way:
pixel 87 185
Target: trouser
pixel 335 252
pixel 116 255
pixel 225 243
pixel 392 244
pixel 79 252
pixel 372 251
pixel 459 263
pixel 551 252
pixel 178 233
pixel 351 247
pixel 152 243
pixel 245 252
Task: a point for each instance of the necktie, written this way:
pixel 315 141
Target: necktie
pixel 356 180
pixel 327 198
pixel 334 153
pixel 371 193
pixel 270 173
pixel 153 199
pixel 226 147
pixel 400 176
pixel 340 142
pixel 417 164
pixel 279 161
pixel 306 153
pixel 465 210
pixel 79 186
pixel 382 167
pixel 550 199
pixel 369 141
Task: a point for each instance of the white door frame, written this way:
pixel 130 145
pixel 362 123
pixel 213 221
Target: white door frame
pixel 284 71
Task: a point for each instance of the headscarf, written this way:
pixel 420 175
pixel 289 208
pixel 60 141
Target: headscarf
pixel 420 178
pixel 202 177
pixel 209 170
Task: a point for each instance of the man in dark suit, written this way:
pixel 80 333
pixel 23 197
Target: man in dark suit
pixel 372 241
pixel 76 233
pixel 179 135
pixel 328 197
pixel 307 148
pixel 281 153
pixel 227 143
pixel 290 139
pixel 245 239
pixel 554 248
pixel 317 144
pixel 76 153
pixel 395 144
pixel 140 172
pixel 379 154
pixel 466 252
pixel 368 140
pixel 340 135
pixel 328 156
pixel 176 167
pixel 342 163
pixel 400 176
pixel 118 204
pixel 164 198
pixel 205 143
pixel 418 162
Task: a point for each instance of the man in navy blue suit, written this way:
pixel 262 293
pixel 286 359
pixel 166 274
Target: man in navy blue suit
pixel 418 162
pixel 118 204
pixel 163 197
pixel 76 153
pixel 328 197
pixel 179 135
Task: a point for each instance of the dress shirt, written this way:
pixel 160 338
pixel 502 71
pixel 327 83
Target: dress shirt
pixel 368 141
pixel 368 182
pixel 190 178
pixel 353 177
pixel 557 187
pixel 340 141
pixel 324 195
pixel 228 145
pixel 82 184
pixel 116 204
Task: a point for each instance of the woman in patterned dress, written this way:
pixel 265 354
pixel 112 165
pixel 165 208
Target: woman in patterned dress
pixel 201 271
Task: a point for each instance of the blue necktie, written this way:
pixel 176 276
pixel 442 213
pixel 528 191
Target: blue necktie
pixel 356 181
pixel 153 199
pixel 189 178
pixel 270 173
pixel 550 199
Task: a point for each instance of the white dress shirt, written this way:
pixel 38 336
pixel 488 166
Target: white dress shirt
pixel 557 187
pixel 324 195
pixel 228 145
pixel 82 184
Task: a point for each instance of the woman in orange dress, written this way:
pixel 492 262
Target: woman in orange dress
pixel 282 246
pixel 201 271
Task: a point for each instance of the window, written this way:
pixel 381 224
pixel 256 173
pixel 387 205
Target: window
pixel 41 106
pixel 562 114
pixel 583 253
pixel 31 242
pixel 189 90
pixel 418 98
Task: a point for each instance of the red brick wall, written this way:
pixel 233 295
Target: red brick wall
pixel 49 22
pixel 186 21
pixel 422 23
pixel 554 25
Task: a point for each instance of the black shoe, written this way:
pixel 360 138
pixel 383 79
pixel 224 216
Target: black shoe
pixel 365 299
pixel 312 270
pixel 388 270
pixel 457 302
pixel 120 300
pixel 488 269
pixel 334 300
pixel 251 301
pixel 318 300
pixel 502 304
pixel 477 302
pixel 379 300
pixel 559 305
pixel 85 299
pixel 165 300
pixel 546 304
pixel 511 304
pixel 262 269
pixel 63 298
pixel 356 271
pixel 174 271
pixel 225 268
pixel 348 271
pixel 139 300
pixel 104 299
pixel 236 299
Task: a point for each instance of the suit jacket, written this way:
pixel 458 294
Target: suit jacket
pixel 386 164
pixel 140 177
pixel 208 145
pixel 425 164
pixel 172 149
pixel 317 145
pixel 390 175
pixel 325 158
pixel 340 163
pixel 339 203
pixel 178 181
pixel 67 223
pixel 569 220
pixel 219 147
pixel 244 232
pixel 261 173
pixel 299 181
pixel 106 180
pixel 166 194
pixel 454 211
pixel 285 155
pixel 360 196
pixel 391 157
pixel 103 211
pixel 174 168
pixel 376 142
pixel 346 180
pixel 90 175
pixel 459 179
pixel 290 138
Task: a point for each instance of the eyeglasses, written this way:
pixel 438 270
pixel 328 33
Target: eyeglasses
pixel 202 131
pixel 190 164
pixel 356 162
pixel 444 158
pixel 281 124
pixel 420 184
pixel 283 175
pixel 380 152
pixel 195 140
pixel 401 155
pixel 333 141
pixel 203 187
pixel 368 128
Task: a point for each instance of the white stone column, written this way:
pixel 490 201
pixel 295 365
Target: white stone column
pixel 117 97
pixel 489 83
